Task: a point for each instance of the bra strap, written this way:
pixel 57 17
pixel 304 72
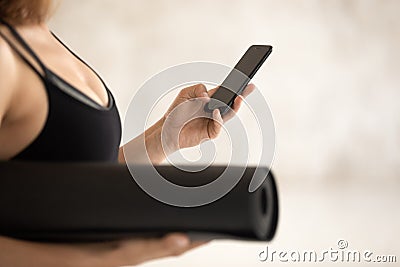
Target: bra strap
pixel 25 46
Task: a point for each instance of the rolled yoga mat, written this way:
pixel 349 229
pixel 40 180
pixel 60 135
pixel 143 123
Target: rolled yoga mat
pixel 79 202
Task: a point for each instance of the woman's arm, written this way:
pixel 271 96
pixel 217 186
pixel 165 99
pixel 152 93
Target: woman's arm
pixel 18 253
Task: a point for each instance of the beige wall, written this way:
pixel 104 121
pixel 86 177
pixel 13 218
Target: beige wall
pixel 333 83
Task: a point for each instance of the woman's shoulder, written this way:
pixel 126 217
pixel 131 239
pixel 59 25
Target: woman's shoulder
pixel 8 75
pixel 7 62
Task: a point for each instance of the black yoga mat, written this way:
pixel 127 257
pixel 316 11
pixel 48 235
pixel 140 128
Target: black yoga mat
pixel 76 202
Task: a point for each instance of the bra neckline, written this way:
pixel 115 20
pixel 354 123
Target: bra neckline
pixel 55 78
pixel 77 94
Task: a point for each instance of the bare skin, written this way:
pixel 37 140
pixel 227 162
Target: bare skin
pixel 23 110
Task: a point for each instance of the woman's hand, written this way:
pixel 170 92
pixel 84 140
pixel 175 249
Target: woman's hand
pixel 107 254
pixel 137 251
pixel 186 124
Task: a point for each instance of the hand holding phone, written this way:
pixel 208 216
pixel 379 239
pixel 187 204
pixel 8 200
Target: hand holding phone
pixel 238 78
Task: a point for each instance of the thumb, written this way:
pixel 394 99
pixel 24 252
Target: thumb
pixel 176 243
pixel 194 91
pixel 172 244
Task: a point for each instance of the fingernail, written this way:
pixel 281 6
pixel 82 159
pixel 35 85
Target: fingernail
pixel 205 94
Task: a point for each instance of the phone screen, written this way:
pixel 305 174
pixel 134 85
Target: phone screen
pixel 239 77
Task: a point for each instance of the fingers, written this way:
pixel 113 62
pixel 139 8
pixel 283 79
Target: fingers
pixel 200 92
pixel 240 98
pixel 248 90
pixel 238 102
pixel 215 125
pixel 212 91
pixel 194 91
pixel 235 108
pixel 141 250
pixel 173 244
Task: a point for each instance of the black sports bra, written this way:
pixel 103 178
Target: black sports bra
pixel 77 128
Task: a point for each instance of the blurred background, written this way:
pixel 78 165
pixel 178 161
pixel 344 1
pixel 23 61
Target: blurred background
pixel 332 83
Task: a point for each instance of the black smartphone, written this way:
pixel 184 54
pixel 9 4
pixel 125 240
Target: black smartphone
pixel 238 78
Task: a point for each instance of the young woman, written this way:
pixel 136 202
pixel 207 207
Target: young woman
pixel 54 107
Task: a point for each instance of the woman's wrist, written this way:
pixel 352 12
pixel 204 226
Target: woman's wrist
pixel 158 143
pixel 152 146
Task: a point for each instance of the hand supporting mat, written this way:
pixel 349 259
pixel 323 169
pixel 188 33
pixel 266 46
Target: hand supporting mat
pixel 76 202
